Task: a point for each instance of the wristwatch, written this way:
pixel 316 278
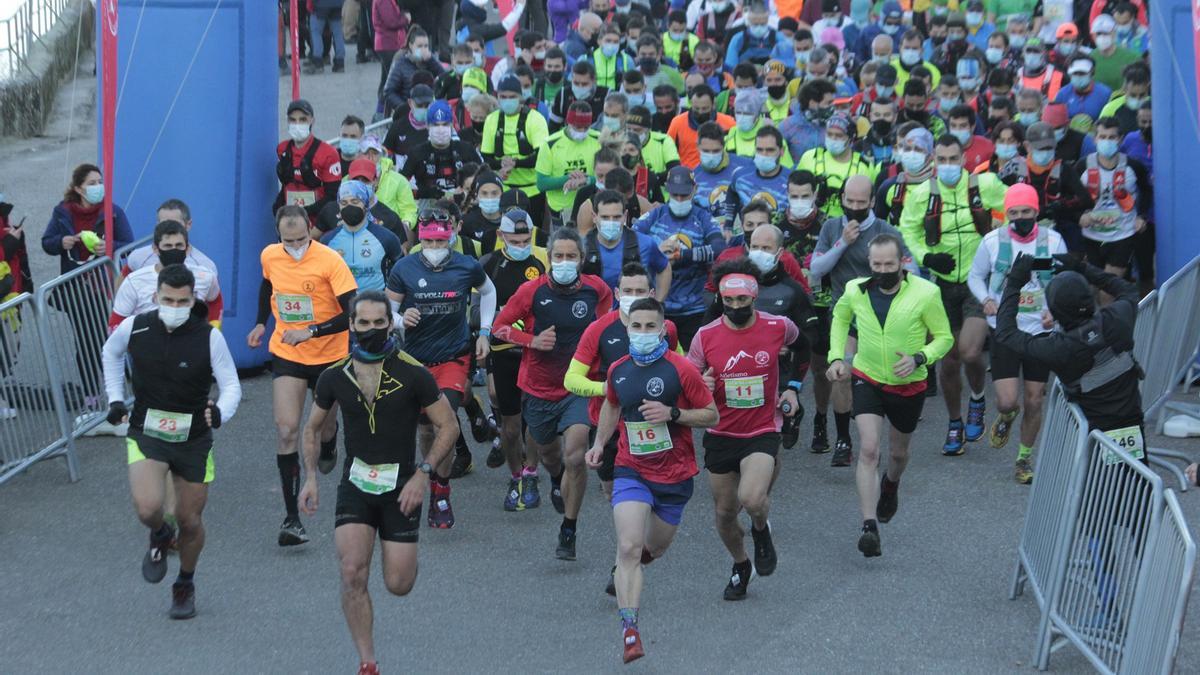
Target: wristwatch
pixel 675 412
pixel 312 330
pixel 424 467
pixel 919 359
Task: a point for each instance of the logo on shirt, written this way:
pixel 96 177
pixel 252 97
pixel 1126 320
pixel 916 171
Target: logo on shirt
pixel 619 380
pixel 546 302
pixel 733 360
pixel 366 253
pixel 422 283
pixel 579 309
pixel 532 273
pixel 655 386
pixel 613 341
pixel 762 358
pixel 308 286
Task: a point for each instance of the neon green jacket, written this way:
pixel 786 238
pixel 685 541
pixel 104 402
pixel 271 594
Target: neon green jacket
pixel 959 237
pixel 396 193
pixel 916 311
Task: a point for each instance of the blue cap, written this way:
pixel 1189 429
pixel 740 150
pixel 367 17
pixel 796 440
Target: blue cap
pixel 439 113
pixel 892 10
pixel 511 83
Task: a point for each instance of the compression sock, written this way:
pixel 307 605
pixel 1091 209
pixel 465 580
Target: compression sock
pixel 460 447
pixel 842 420
pixel 628 617
pixel 646 557
pixel 870 526
pixel 289 476
pixel 185 577
pixel 1024 451
pixel 568 524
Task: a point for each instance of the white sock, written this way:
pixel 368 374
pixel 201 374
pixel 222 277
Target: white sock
pixel 978 395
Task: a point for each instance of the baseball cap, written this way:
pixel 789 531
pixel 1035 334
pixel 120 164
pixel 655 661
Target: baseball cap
pixel 680 181
pixel 302 105
pixel 1034 45
pixel 435 229
pixel 516 221
pixel 975 5
pixel 1066 31
pixel 422 94
pixel 370 142
pixel 1104 24
pixel 1080 67
pixel 1055 114
pixel 738 284
pixel 476 78
pixel 639 115
pixel 885 76
pixel 892 10
pixel 439 113
pixel 515 197
pixel 1040 136
pixel 510 83
pixel 362 168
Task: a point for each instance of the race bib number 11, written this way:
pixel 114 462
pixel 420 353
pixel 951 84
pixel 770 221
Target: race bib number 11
pixel 744 392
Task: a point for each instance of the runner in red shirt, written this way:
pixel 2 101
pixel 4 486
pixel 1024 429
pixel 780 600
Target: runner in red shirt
pixel 739 357
pixel 659 397
pixel 309 169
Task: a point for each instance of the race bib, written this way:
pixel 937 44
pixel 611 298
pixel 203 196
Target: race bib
pixel 167 426
pixel 294 308
pixel 1115 214
pixel 744 392
pixel 648 438
pixel 1031 301
pixel 1128 439
pixel 301 197
pixel 373 479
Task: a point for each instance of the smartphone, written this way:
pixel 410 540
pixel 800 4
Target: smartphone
pixel 1043 263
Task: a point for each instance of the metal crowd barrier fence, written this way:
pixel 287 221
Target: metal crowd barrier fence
pixel 33 424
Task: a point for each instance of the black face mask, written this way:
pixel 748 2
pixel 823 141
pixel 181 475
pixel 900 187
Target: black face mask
pixel 353 215
pixel 630 162
pixel 777 91
pixel 857 215
pixel 554 77
pixel 372 341
pixel 937 41
pixel 1146 131
pixel 739 316
pixel 882 129
pixel 648 65
pixel 699 118
pixel 174 256
pixel 886 280
pixel 919 116
pixel 1023 226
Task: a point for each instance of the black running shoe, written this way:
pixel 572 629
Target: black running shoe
pixel 328 457
pixel 611 588
pixel 495 458
pixel 291 532
pixel 738 583
pixel 843 454
pixel 889 500
pixel 183 600
pixel 154 564
pixel 463 464
pixel 868 543
pixel 820 439
pixel 765 557
pixel 481 426
pixel 556 497
pixel 791 429
pixel 566 545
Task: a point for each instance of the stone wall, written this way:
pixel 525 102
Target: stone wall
pixel 27 98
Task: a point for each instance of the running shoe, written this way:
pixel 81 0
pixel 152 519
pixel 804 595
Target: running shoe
pixel 441 515
pixel 566 544
pixel 291 532
pixel 530 497
pixel 481 427
pixel 183 600
pixel 843 453
pixel 791 429
pixel 868 543
pixel 512 499
pixel 889 501
pixel 371 668
pixel 976 416
pixel 495 458
pixel 633 645
pixel 154 564
pixel 462 465
pixel 765 557
pixel 738 583
pixel 328 457
pixel 954 440
pixel 556 497
pixel 820 439
pixel 1001 429
pixel 611 588
pixel 1023 471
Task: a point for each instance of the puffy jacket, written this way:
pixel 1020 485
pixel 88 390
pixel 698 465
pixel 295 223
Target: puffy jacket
pixel 391 26
pixel 62 225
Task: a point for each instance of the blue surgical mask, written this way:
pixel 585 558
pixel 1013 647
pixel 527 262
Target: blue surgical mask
pixel 526 94
pixel 609 50
pixel 518 252
pixel 910 57
pixel 765 163
pixel 758 30
pixel 949 173
pixel 419 114
pixel 913 160
pixel 884 92
pixel 711 160
pixel 1006 150
pixel 679 209
pixel 349 146
pixel 489 204
pixel 963 136
pixel 460 68
pixel 94 194
pixel 1133 103
pixel 945 104
pixel 993 55
pixel 969 83
pixel 1028 119
pixel 765 262
pixel 509 106
pixel 636 100
pixel 891 28
pixel 564 272
pixel 644 343
pixel 1042 157
pixel 745 121
pixel 581 93
pixel 1081 81
pixel 1107 147
pixel 974 18
pixel 610 230
pixel 678 37
pixel 1034 60
pixel 611 123
pixel 835 147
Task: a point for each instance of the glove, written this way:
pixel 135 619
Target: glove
pixel 216 416
pixel 939 262
pixel 1069 262
pixel 1021 270
pixel 116 412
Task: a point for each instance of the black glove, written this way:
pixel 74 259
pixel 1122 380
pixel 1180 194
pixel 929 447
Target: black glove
pixel 116 412
pixel 939 262
pixel 215 413
pixel 1069 262
pixel 1021 270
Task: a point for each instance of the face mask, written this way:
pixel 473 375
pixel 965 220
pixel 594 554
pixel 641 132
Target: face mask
pixel 1060 134
pixel 353 215
pixel 648 65
pixel 765 163
pixel 765 262
pixel 1107 147
pixel 945 104
pixel 1133 103
pixel 699 118
pixel 994 54
pixel 745 121
pixel 539 55
pixel 576 135
pixel 174 256
pixel 857 215
pixel 349 146
pixel 802 57
pixel 1042 157
pixel 938 40
pixel 420 54
pixel 719 6
pixel 372 341
pixel 1016 41
pixel 886 279
pixel 949 173
pixel 969 83
pixel 956 39
pixel 477 57
pixel 912 160
pixel 554 76
pixel 706 69
pixel 611 123
pixel 637 99
pixel 609 50
pixel 1103 42
pixel 974 18
pixel 298 132
pixel 1124 30
pixel 891 29
pixel 627 302
pixel 1033 60
pixel 963 135
pixel 509 106
pixel 296 253
pixel 94 194
pixel 777 91
pixel 489 204
pixel 420 114
pixel 610 230
pixel 881 128
pixel 758 31
pixel 1081 81
pixel 469 93
pixel 440 135
pixel 800 208
pixel 884 92
pixel 679 209
pixel 630 162
pixel 1006 150
pixel 677 37
pixel 1147 133
pixel 919 116
pixel 910 57
pixel 738 316
pixel 643 343
pixel 564 272
pixel 581 93
pixel 1028 119
pixel 460 68
pixel 174 317
pixel 835 147
pixel 711 160
pixel 1065 48
pixel 1023 226
pixel 518 252
pixel 435 256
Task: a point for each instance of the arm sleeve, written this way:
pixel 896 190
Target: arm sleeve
pixel 1123 309
pixel 981 269
pixel 264 302
pixel 516 309
pixel 577 382
pixel 113 358
pixel 487 301
pixel 939 326
pixel 799 344
pixel 714 243
pixel 225 374
pixel 339 323
pixel 823 262
pixel 839 328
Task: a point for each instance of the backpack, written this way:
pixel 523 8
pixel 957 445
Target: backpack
pixel 980 216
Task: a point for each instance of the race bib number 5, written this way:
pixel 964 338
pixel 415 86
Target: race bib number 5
pixel 647 438
pixel 294 308
pixel 167 426
pixel 373 479
pixel 744 392
pixel 1128 439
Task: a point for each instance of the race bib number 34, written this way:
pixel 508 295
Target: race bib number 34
pixel 647 438
pixel 167 426
pixel 744 392
pixel 1128 439
pixel 373 479
pixel 294 308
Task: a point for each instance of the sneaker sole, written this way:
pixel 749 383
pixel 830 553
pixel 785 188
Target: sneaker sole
pixel 869 546
pixel 151 571
pixel 289 539
pixel 818 451
pixel 179 616
pixel 326 466
pixel 841 463
pixel 954 453
pixel 974 438
pixel 563 554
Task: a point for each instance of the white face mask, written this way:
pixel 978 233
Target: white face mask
pixel 627 302
pixel 435 256
pixel 299 132
pixel 174 317
pixel 297 253
pixel 439 135
pixel 800 208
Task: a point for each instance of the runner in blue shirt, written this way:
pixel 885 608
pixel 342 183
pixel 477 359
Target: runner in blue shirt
pixel 369 249
pixel 714 176
pixel 611 245
pixel 766 179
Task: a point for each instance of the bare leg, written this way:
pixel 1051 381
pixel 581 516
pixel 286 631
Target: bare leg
pixel 1031 421
pixel 725 501
pixel 866 475
pixel 192 498
pixel 629 520
pixel 753 491
pixel 950 381
pixel 146 478
pixel 897 454
pixel 574 484
pixel 970 339
pixel 355 543
pixel 821 386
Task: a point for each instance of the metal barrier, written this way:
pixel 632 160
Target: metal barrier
pixel 1063 444
pixel 122 254
pixel 25 28
pixel 33 424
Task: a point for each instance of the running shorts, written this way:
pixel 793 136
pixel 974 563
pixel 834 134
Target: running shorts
pixel 191 460
pixel 902 412
pixel 1104 253
pixel 547 419
pixel 1007 363
pixel 452 375
pixel 666 500
pixel 724 454
pixel 281 367
pixel 959 302
pixel 381 512
pixel 504 366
